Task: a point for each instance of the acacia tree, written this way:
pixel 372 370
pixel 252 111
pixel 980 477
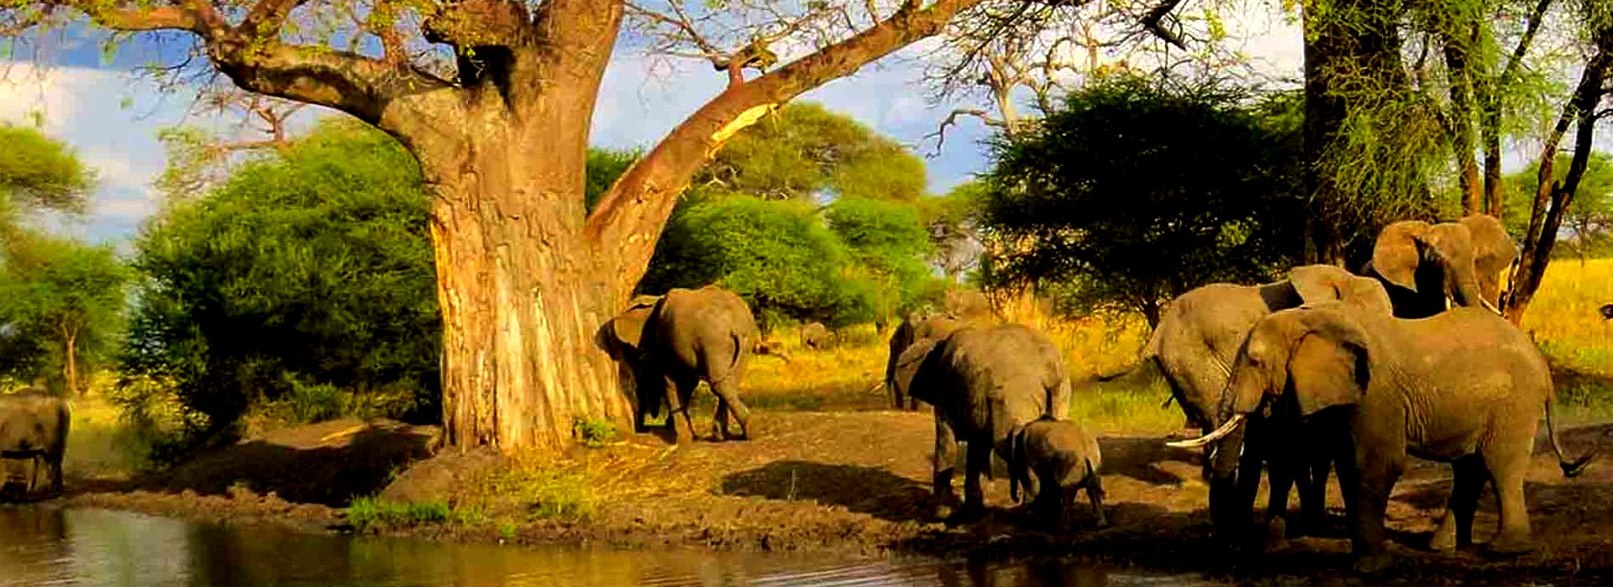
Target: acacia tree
pixel 500 128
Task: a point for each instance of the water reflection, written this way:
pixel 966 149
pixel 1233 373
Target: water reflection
pixel 54 546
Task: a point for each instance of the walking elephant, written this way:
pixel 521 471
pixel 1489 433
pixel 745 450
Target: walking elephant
pixel 816 336
pixel 1064 460
pixel 913 329
pixel 1464 387
pixel 685 337
pixel 983 381
pixel 1422 265
pixel 34 426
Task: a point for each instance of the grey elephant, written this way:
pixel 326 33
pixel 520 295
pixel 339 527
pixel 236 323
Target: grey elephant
pixel 1194 346
pixel 1464 387
pixel 1064 460
pixel 1423 265
pixel 913 329
pixel 816 336
pixel 968 305
pixel 34 426
pixel 685 337
pixel 983 381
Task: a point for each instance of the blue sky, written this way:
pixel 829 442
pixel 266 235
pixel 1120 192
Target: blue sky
pixel 112 118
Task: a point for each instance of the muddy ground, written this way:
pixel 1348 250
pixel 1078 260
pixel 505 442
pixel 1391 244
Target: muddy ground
pixel 853 484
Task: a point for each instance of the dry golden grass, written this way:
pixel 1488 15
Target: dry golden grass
pixel 1563 319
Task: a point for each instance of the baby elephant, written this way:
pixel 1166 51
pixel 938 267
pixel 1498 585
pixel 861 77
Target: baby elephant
pixel 33 426
pixel 1064 458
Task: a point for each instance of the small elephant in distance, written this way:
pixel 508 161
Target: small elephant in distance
pixel 1064 459
pixel 33 426
pixel 1607 312
pixel 816 336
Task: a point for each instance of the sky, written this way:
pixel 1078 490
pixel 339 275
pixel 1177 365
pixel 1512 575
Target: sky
pixel 111 117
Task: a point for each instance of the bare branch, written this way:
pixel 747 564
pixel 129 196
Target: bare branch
pixel 940 134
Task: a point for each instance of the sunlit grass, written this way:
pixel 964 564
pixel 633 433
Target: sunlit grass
pixel 98 443
pixel 1564 321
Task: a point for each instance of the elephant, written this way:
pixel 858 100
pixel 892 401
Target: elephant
pixel 914 328
pixel 816 336
pixel 1422 264
pixel 1065 460
pixel 1607 311
pixel 1464 387
pixel 1197 340
pixel 684 337
pixel 34 425
pixel 982 382
pixel 966 304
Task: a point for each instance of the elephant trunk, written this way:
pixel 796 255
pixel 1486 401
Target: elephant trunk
pixel 1465 291
pixel 1017 469
pixel 1229 513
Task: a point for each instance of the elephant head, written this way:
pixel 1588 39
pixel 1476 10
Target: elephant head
pixel 1323 283
pixel 1295 363
pixel 904 379
pixel 620 337
pixel 1424 263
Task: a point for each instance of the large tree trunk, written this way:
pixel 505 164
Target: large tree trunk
pixel 521 297
pixel 1460 75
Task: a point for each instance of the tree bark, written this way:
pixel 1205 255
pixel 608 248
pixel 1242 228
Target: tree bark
pixel 1457 70
pixel 70 356
pixel 1552 199
pixel 521 299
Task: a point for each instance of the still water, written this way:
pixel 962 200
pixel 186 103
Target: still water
pixel 55 546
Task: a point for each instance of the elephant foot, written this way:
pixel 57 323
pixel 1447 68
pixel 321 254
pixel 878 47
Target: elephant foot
pixel 1512 544
pixel 1276 534
pixel 968 513
pixel 1372 564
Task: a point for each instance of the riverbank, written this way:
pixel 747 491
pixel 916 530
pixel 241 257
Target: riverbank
pixel 847 484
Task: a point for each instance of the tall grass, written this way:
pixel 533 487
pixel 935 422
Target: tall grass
pixel 1563 319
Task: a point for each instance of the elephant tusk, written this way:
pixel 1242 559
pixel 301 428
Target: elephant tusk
pixel 1224 430
pixel 1490 306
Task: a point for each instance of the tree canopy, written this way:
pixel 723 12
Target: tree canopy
pixel 311 267
pixel 64 308
pixel 1135 191
pixel 804 151
pixel 37 172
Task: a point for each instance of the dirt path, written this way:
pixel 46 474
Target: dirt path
pixel 856 483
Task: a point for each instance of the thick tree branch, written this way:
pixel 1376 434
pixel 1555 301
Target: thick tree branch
pixel 628 220
pixel 940 134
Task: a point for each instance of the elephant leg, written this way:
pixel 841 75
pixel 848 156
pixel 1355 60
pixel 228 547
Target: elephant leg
pixel 1378 473
pixel 1456 529
pixel 719 420
pixel 946 454
pixel 677 411
pixel 1507 470
pixel 1095 495
pixel 976 463
pixel 1313 493
pixel 727 392
pixel 1281 474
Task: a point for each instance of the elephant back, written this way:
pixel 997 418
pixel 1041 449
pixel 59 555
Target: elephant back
pixel 1012 373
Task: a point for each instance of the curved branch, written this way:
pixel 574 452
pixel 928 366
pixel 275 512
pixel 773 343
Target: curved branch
pixel 630 215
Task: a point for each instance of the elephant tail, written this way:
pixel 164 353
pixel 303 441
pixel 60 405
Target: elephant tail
pixel 1570 469
pixel 1149 351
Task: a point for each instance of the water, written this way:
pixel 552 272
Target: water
pixel 55 546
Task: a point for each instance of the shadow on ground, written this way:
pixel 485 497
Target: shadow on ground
pixel 328 463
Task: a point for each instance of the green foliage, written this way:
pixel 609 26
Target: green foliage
pixel 1589 216
pixel 805 151
pixel 776 255
pixel 39 172
pixel 595 433
pixel 1134 192
pixel 751 225
pixel 64 301
pixel 303 271
pixel 369 512
pixel 604 166
pixel 888 242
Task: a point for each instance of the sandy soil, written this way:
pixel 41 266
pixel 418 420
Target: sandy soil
pixel 856 483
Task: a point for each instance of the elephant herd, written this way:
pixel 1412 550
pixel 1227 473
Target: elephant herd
pixel 1323 371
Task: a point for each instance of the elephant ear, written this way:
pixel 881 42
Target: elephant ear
pixel 907 377
pixel 1329 366
pixel 1395 255
pixel 1318 283
pixel 1493 252
pixel 629 325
